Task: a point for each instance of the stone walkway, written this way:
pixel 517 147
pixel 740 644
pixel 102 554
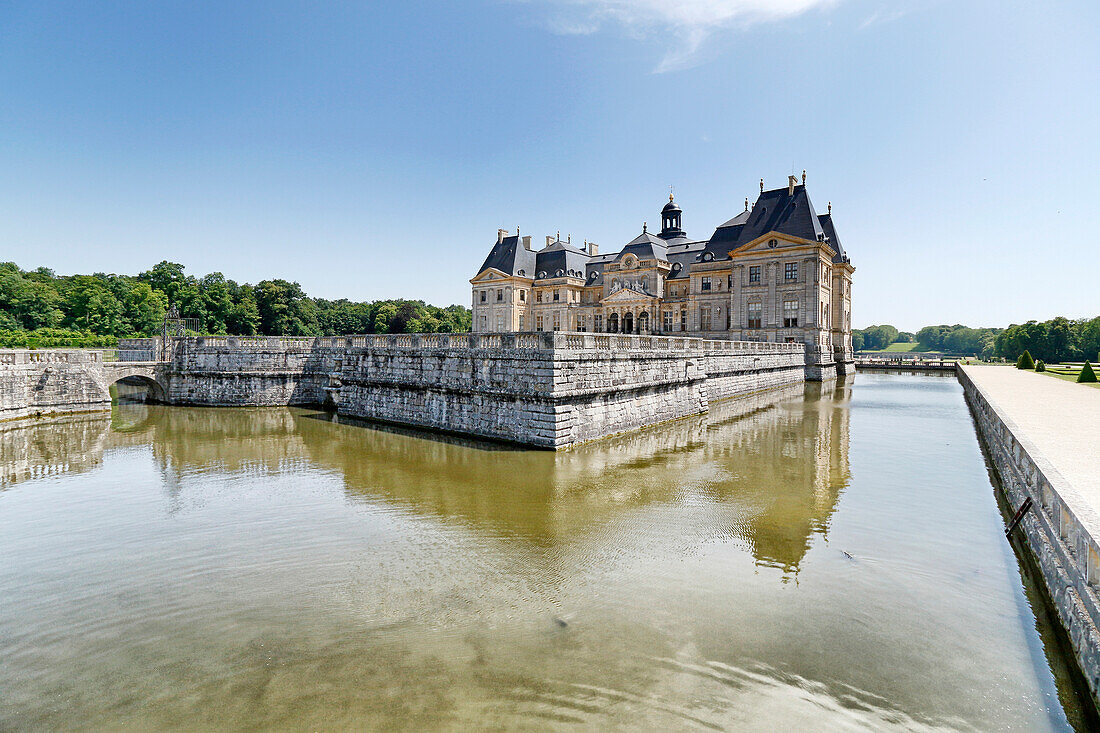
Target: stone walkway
pixel 1060 419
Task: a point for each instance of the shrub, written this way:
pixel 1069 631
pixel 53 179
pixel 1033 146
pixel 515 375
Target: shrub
pixel 1040 366
pixel 1025 361
pixel 1087 374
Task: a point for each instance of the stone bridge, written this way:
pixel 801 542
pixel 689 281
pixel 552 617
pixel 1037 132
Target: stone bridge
pixel 51 382
pixel 152 374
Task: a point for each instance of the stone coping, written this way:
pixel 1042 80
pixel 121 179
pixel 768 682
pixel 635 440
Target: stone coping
pixel 1023 415
pixel 541 341
pixel 51 356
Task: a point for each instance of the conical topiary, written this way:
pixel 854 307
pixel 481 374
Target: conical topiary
pixel 1040 366
pixel 1087 374
pixel 1025 361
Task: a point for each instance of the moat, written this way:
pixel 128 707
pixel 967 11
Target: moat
pixel 830 557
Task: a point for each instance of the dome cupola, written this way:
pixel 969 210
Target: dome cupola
pixel 670 220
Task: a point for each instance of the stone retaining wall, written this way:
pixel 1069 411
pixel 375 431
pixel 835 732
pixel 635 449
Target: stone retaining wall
pixel 50 382
pixel 1061 530
pixel 550 390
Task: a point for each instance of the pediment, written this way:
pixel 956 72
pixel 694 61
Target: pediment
pixel 764 243
pixel 490 274
pixel 627 295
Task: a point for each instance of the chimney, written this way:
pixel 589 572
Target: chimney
pixel 527 242
pixel 500 235
pixel 791 183
pixel 549 239
pixel 593 249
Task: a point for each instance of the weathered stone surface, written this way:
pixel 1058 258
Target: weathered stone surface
pixel 550 390
pixel 1062 531
pixel 50 382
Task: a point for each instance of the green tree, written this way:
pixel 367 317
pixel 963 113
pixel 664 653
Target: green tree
pixel 285 310
pixel 145 309
pixel 1025 361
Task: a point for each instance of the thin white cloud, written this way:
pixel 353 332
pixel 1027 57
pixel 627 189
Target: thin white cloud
pixel 688 22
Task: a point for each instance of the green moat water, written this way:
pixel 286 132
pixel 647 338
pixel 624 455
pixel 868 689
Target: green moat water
pixel 830 561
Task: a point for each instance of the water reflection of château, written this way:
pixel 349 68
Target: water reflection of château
pixel 767 470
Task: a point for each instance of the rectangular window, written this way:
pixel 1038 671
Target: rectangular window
pixel 790 271
pixel 728 314
pixel 538 296
pixel 668 321
pixel 729 281
pixel 704 318
pixel 754 274
pixel 523 296
pixel 755 310
pixel 500 323
pixel 557 321
pixel 500 294
pixel 705 283
pixel 557 294
pixel 683 319
pixel 522 320
pixel 481 325
pixel 597 322
pixel 790 313
pixel 538 323
pixel 582 322
pixel 482 296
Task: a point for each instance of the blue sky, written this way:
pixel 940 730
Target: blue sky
pixel 372 150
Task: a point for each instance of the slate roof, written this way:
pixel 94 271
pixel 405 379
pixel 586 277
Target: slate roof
pixel 560 260
pixel 645 245
pixel 510 257
pixel 779 211
pixel 682 257
pixel 834 241
pixel 775 210
pixel 727 236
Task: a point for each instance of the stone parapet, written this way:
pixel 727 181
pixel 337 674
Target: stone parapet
pixel 1061 530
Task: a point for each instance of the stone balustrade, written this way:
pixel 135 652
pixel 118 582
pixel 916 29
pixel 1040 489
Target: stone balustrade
pixel 546 340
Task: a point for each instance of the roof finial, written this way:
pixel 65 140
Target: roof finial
pixel 746 203
pixel 559 235
pixel 761 185
pixel 830 208
pixel 803 176
pixel 670 194
pixel 644 225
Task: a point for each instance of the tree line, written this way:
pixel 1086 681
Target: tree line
pixel 39 307
pixel 1057 340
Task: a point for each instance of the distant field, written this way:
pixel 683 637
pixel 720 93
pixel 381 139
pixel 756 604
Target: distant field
pixel 896 347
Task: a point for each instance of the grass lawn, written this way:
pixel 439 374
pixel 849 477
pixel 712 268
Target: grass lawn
pixel 897 347
pixel 1069 375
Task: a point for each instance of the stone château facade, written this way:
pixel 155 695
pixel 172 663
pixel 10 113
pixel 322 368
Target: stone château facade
pixel 775 272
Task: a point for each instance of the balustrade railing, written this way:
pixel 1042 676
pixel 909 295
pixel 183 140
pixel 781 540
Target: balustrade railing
pixel 562 340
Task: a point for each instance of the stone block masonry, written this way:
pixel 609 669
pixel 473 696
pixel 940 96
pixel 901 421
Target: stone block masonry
pixel 1040 436
pixel 51 382
pixel 549 390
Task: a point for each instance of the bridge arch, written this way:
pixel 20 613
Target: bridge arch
pixel 139 382
pixel 130 388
